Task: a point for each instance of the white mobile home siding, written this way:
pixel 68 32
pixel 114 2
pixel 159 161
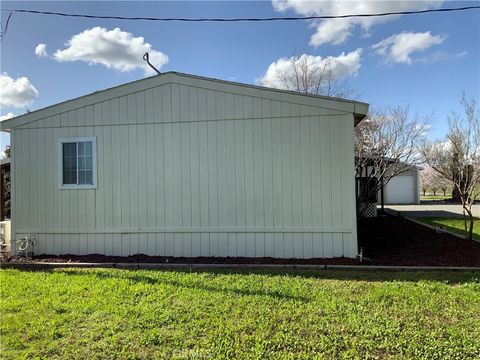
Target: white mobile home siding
pixel 192 170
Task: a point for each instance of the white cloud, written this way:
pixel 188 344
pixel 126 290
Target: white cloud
pixel 115 49
pixel 341 66
pixel 6 116
pixel 41 50
pixel 398 48
pixel 16 92
pixel 336 31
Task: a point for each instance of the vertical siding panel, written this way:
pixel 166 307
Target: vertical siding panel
pixel 143 243
pixel 117 176
pixel 152 244
pixel 269 245
pixel 194 176
pixel 287 184
pixel 195 244
pixel 258 164
pixel 204 176
pixel 298 245
pixel 205 244
pixel 325 180
pixel 125 244
pixel 239 165
pixel 109 246
pixel 96 244
pixel 259 244
pixel 142 177
pixel 212 174
pixel 316 171
pixel 177 175
pixel 109 179
pixel 132 166
pixel 250 244
pixel 307 245
pixel 222 244
pixel 175 94
pixel 101 186
pixel 41 185
pixel 117 245
pixel 249 174
pixel 159 176
pixel 50 176
pixel 134 243
pixel 161 244
pixel 267 162
pixel 335 171
pixel 221 164
pixel 177 244
pixel 33 179
pixel 57 199
pixel 317 245
pixel 240 241
pixel 296 169
pixel 231 239
pixel 187 244
pixel 153 105
pixel 214 244
pixel 231 205
pixel 151 188
pixel 167 103
pixel 184 109
pixel 186 178
pixel 125 168
pixel 229 106
pixel 141 160
pixel 169 244
pixel 337 245
pixel 306 171
pixel 169 181
pixel 277 168
pixel 202 104
pixel 328 245
pixel 57 244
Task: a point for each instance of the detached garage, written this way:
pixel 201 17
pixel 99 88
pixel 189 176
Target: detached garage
pixel 403 188
pixel 181 165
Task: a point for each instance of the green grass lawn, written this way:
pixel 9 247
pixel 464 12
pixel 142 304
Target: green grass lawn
pixel 453 225
pixel 435 197
pixel 141 314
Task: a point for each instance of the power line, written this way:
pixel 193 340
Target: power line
pixel 293 18
pixel 277 18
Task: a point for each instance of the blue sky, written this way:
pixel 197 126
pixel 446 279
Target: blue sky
pixel 429 79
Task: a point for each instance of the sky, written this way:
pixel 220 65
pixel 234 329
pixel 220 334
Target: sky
pixel 424 61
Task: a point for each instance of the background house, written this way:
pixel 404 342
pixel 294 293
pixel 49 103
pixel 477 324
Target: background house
pixel 181 165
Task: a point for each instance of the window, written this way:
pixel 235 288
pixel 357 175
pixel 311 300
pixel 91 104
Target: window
pixel 77 163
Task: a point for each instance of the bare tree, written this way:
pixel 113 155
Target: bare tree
pixel 457 158
pixel 386 145
pixel 306 74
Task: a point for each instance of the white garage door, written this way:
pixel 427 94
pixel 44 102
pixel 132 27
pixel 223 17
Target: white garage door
pixel 400 190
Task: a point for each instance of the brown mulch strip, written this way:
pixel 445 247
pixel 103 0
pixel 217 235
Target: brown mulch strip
pixel 385 240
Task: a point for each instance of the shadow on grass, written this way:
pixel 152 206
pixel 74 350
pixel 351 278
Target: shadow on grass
pixel 458 228
pixel 452 277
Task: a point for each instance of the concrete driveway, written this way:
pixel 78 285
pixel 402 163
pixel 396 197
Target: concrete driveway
pixel 432 210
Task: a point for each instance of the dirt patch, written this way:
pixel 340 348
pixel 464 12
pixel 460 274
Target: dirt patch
pixel 386 240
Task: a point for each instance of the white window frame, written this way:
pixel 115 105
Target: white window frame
pixel 63 186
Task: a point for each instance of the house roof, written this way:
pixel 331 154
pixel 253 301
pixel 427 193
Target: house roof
pixel 359 109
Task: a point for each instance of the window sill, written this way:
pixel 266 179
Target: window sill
pixel 78 187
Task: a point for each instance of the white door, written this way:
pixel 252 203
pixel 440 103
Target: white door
pixel 400 190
